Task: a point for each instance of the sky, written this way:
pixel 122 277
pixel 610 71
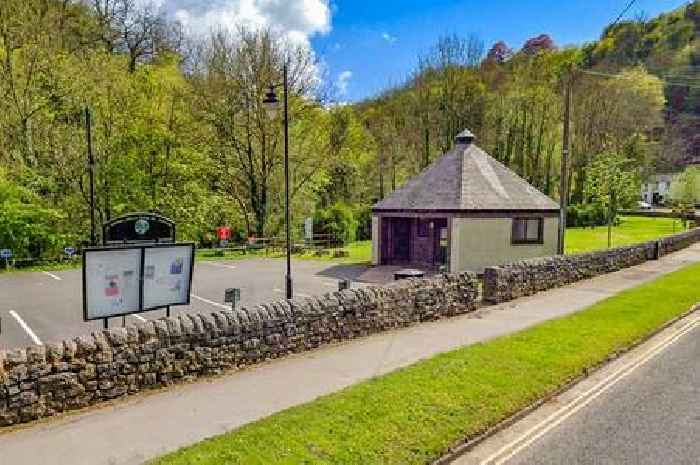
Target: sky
pixel 366 46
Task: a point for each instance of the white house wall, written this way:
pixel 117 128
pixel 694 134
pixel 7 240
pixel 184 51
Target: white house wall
pixel 480 242
pixel 375 240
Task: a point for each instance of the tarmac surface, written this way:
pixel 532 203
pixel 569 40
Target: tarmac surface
pixel 145 426
pixel 641 409
pixel 652 417
pixel 41 307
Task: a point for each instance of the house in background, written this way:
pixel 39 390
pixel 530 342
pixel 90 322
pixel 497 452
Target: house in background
pixel 656 189
pixel 466 211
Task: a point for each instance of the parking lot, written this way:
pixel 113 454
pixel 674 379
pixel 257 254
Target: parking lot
pixel 41 307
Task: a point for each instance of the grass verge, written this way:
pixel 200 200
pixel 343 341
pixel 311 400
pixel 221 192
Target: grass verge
pixel 412 415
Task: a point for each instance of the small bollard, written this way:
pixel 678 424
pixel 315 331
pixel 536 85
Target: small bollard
pixel 232 295
pixel 343 284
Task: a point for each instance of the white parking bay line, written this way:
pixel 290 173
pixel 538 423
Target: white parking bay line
pixel 57 278
pixel 211 302
pixel 138 317
pixel 220 265
pixel 26 328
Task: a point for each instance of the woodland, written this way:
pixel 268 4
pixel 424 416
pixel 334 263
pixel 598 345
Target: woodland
pixel 178 125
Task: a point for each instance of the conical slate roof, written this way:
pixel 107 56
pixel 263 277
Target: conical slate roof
pixel 467 179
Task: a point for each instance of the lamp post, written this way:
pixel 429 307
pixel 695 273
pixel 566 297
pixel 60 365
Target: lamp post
pixel 270 101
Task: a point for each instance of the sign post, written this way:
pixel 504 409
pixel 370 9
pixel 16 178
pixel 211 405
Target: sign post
pixel 224 235
pixel 309 229
pixel 6 254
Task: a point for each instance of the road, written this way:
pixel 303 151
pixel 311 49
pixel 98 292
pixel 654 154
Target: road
pixel 41 307
pixel 651 417
pixel 643 409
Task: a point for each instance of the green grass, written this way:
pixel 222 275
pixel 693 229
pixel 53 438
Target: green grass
pixel 358 252
pixel 631 230
pixel 412 415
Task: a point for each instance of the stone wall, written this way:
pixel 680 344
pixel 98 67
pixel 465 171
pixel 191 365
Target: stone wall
pixel 526 277
pixel 679 241
pixel 40 381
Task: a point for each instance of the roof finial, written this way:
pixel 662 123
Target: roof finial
pixel 464 138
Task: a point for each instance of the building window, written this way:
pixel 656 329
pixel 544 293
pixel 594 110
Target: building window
pixel 528 230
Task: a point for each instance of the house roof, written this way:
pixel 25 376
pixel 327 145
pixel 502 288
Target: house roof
pixel 467 179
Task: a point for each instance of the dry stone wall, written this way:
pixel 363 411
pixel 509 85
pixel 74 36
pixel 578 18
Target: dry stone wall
pixel 41 381
pixel 526 277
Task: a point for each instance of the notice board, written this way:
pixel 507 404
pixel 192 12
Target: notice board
pixel 121 280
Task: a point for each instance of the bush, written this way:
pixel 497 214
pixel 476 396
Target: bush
pixel 28 224
pixel 364 222
pixel 338 221
pixel 585 215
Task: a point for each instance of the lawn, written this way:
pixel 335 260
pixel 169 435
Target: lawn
pixel 412 415
pixel 631 230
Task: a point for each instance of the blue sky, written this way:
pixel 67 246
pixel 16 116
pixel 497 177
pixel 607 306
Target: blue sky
pixel 371 44
pixel 374 44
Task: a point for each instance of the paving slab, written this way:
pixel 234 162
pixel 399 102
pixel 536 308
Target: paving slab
pixel 145 426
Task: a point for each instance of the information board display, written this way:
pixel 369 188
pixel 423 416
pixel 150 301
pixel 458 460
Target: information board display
pixel 120 280
pixel 167 276
pixel 111 284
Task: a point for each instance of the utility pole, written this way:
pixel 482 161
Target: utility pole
pixel 91 172
pixel 563 187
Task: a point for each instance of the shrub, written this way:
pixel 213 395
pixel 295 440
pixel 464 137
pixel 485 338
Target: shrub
pixel 585 215
pixel 338 221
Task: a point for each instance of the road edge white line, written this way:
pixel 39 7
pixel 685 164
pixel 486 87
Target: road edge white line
pixel 211 302
pixel 26 328
pixel 552 421
pixel 57 278
pixel 139 317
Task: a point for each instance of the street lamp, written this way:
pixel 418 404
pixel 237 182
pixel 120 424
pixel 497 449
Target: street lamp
pixel 271 102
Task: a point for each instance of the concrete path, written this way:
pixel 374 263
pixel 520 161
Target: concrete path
pixel 142 427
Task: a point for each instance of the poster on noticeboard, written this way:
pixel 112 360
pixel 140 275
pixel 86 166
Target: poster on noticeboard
pixel 166 276
pixel 112 282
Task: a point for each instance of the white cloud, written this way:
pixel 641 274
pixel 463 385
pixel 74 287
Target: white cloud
pixel 342 82
pixel 298 20
pixel 388 37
